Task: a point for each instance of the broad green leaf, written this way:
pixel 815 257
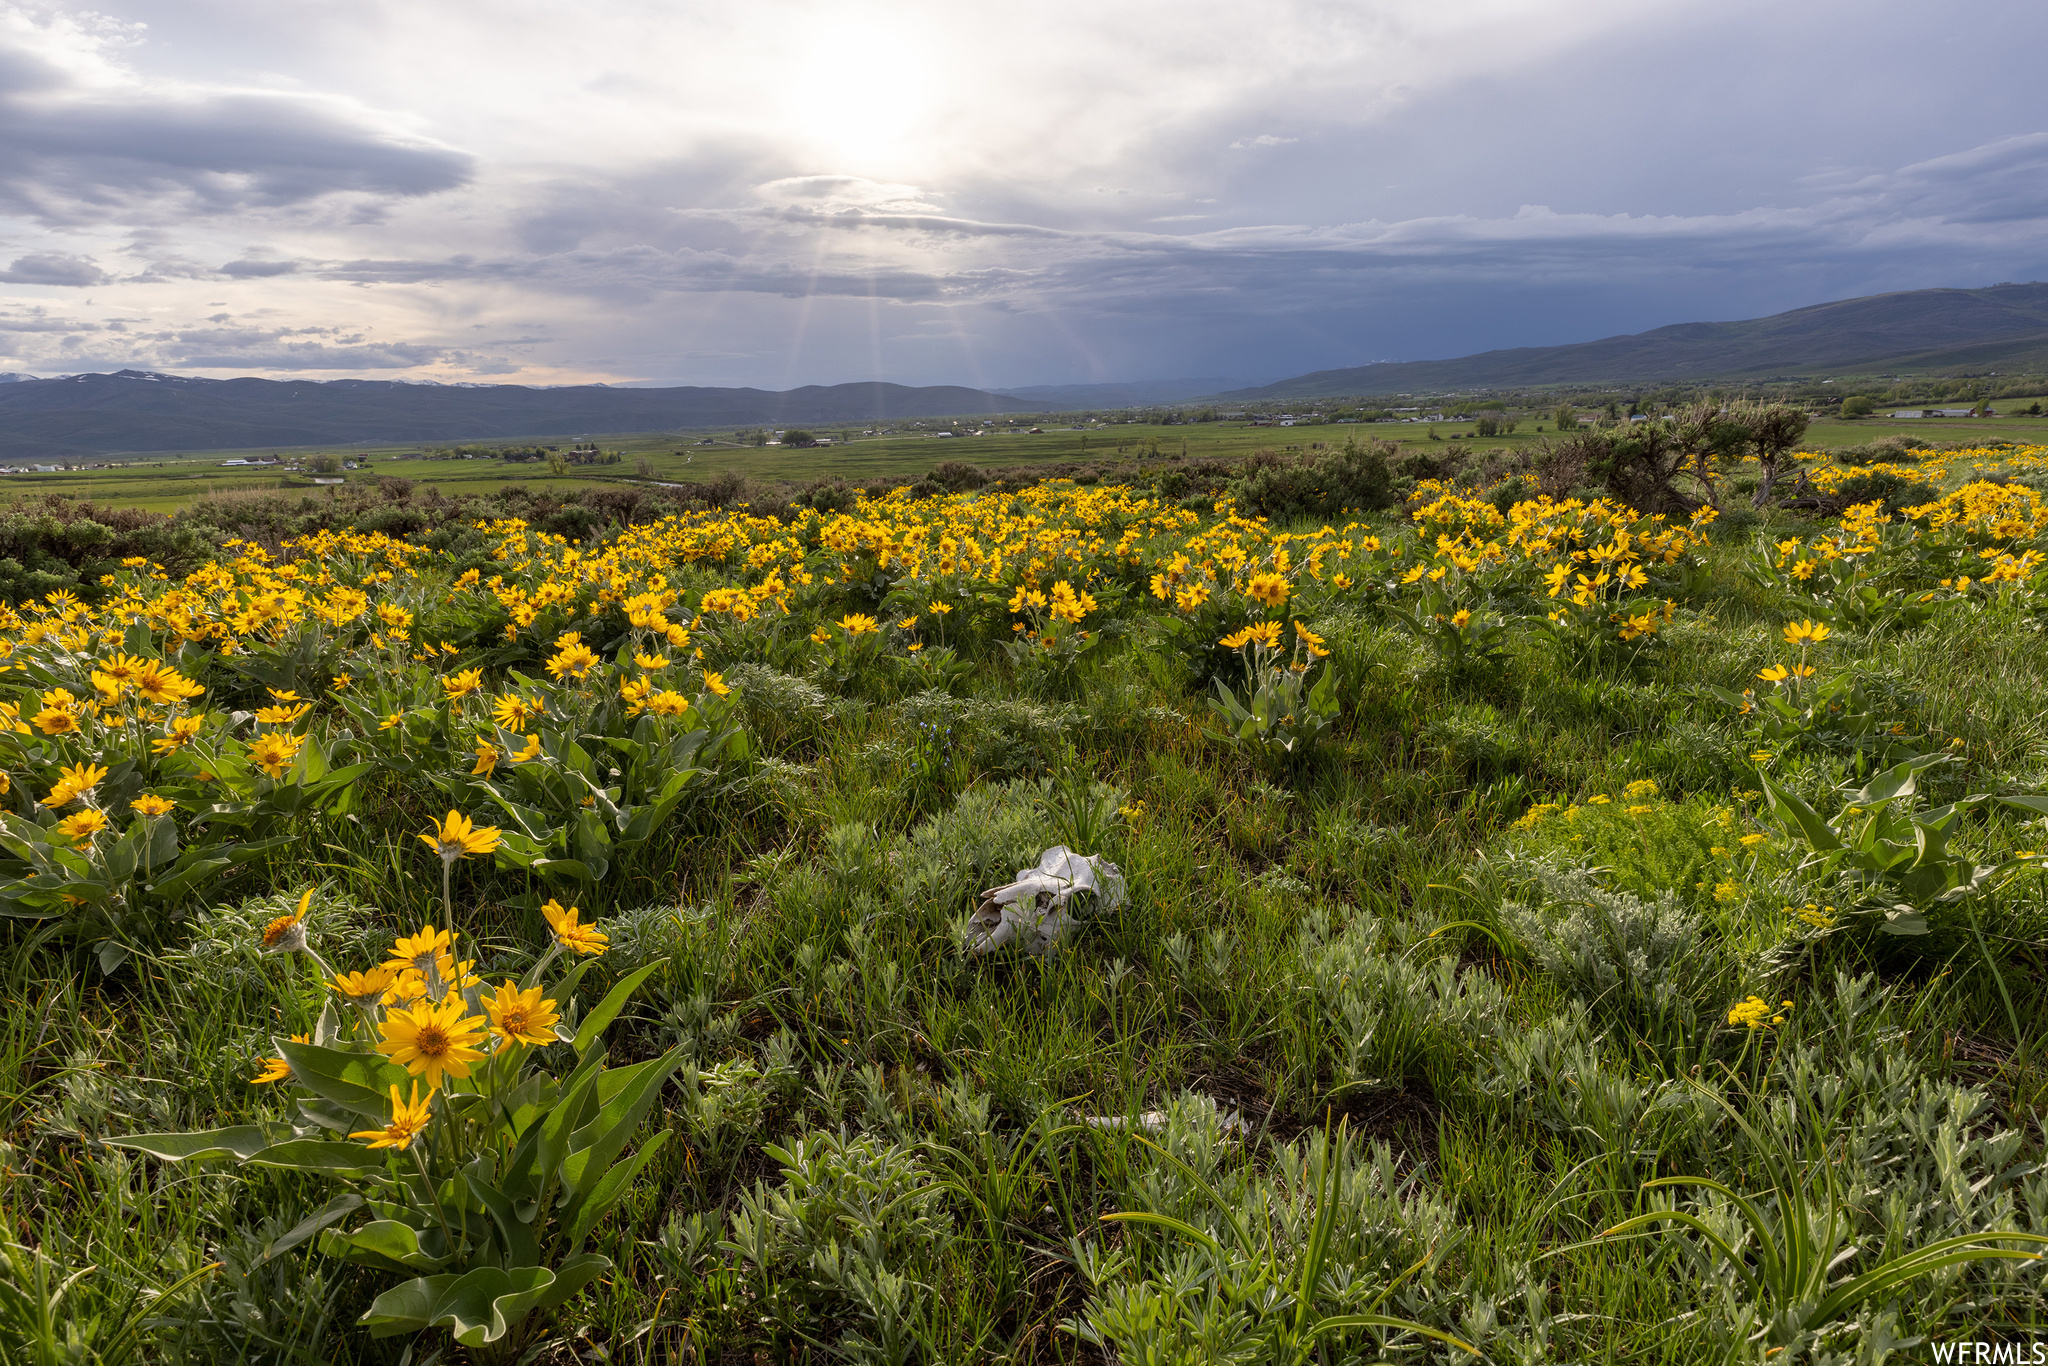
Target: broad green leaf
pixel 612 1188
pixel 359 1081
pixel 320 1155
pixel 329 1214
pixel 614 1001
pixel 480 1307
pixel 385 1241
pixel 241 1143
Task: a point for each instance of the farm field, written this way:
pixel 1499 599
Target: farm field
pixel 174 483
pixel 1493 927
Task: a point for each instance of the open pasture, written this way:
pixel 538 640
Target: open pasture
pixel 1522 929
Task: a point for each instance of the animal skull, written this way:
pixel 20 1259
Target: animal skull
pixel 1036 910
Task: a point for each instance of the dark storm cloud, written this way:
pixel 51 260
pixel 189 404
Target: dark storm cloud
pixel 257 270
pixel 53 268
pixel 74 152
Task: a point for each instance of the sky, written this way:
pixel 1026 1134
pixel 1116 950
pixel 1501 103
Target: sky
pixel 792 192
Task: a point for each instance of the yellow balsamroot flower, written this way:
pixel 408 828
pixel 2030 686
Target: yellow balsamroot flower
pixel 821 636
pixel 164 686
pixel 275 1069
pixel 1803 633
pixel 287 933
pixel 126 670
pixel 668 702
pixel 1756 1013
pixel 407 987
pixel 282 715
pixel 1070 605
pixel 149 804
pixel 531 750
pixel 365 988
pixel 941 608
pixel 79 829
pixel 858 624
pixel 486 760
pixel 1189 598
pixel 392 722
pixel 456 838
pixel 513 712
pixel 459 686
pixel 521 1016
pixel 633 692
pixel 571 935
pixel 432 1041
pixel 1270 589
pixel 407 1120
pixel 573 660
pixel 1312 642
pixel 421 951
pixel 1777 673
pixel 56 721
pixel 713 683
pixel 179 732
pixel 650 663
pixel 274 751
pixel 72 783
pixel 1459 618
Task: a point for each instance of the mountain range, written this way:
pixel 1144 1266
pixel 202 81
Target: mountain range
pixel 1999 328
pixel 137 410
pixel 2003 327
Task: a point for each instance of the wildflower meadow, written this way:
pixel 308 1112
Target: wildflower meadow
pixel 1543 930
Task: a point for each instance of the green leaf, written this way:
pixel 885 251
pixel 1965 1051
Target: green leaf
pixel 608 1009
pixel 479 1307
pixel 611 1189
pixel 319 1155
pixel 329 1214
pixel 593 1146
pixel 241 1143
pixel 385 1242
pixel 361 1082
pixel 1792 809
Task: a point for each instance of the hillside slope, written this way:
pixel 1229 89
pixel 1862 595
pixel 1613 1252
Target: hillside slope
pixel 2002 327
pixel 133 410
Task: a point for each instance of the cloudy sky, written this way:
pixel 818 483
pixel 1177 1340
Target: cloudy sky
pixel 810 191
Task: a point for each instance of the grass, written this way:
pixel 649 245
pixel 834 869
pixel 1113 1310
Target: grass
pixel 1347 1007
pixel 172 483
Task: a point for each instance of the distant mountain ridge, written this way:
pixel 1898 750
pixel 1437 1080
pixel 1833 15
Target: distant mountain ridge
pixel 2000 327
pixel 138 410
pixel 1136 393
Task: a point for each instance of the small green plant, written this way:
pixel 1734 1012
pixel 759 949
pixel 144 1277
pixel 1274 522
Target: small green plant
pixel 1265 1294
pixel 1896 859
pixel 39 1325
pixel 1282 715
pixel 487 1186
pixel 1786 1248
